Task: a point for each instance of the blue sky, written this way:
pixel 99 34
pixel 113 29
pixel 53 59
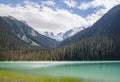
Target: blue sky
pixel 57 15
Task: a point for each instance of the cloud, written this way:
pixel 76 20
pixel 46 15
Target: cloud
pixel 92 18
pixel 43 18
pixel 48 3
pixel 100 8
pixel 92 4
pixel 98 3
pixel 70 3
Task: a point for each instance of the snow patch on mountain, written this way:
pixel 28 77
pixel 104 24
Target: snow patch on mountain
pixel 24 38
pixel 61 36
pixel 57 37
pixel 33 33
pixel 12 18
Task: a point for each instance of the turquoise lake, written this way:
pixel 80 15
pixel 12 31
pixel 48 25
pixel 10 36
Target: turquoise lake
pixel 103 71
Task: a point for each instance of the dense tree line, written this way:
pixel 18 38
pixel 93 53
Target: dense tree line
pixel 99 48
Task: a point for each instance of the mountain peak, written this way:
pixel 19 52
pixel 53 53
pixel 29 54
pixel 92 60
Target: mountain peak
pixel 63 35
pixel 25 33
pixel 11 17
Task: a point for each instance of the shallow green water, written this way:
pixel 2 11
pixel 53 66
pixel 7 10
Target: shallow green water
pixel 103 71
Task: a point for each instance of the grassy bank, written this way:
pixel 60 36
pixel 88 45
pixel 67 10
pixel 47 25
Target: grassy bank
pixel 7 76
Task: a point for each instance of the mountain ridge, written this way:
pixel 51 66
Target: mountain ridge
pixel 96 27
pixel 26 33
pixel 63 35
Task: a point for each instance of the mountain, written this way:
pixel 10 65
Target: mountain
pixel 62 36
pixel 101 41
pixel 24 32
pixel 8 40
pixel 58 37
pixel 108 26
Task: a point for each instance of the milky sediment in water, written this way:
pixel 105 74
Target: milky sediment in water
pixel 107 71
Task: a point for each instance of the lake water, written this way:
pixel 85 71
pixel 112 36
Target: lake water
pixel 104 71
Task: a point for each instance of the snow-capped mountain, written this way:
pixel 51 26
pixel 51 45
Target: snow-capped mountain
pixel 61 36
pixel 27 34
pixel 58 37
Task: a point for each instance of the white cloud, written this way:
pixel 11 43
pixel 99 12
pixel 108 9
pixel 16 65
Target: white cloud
pixel 98 3
pixel 105 5
pixel 48 3
pixel 92 4
pixel 92 18
pixel 70 3
pixel 43 18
